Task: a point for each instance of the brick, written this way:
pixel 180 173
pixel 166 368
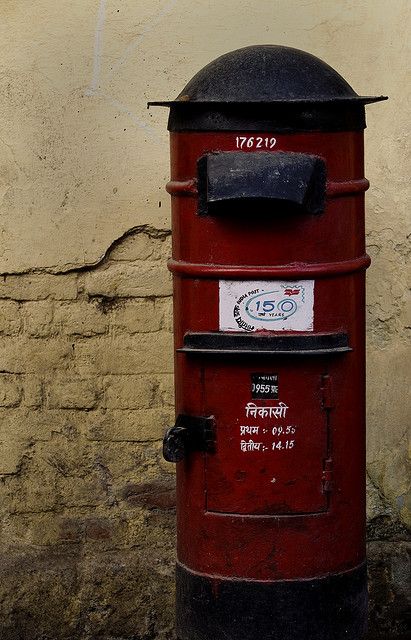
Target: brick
pixel 70 529
pixel 11 455
pixel 25 424
pixel 39 286
pixel 80 318
pixel 72 394
pixel 37 425
pixel 24 495
pixel 32 391
pixel 130 426
pixel 80 488
pixel 29 497
pixel 149 353
pixel 44 529
pixel 164 309
pixel 98 529
pixel 129 392
pixel 33 355
pixel 137 316
pixel 159 494
pixel 122 460
pixel 37 317
pixel 10 320
pixel 10 390
pixel 165 390
pixel 123 279
pixel 114 532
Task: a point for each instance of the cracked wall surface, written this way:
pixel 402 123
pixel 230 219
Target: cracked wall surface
pixel 87 502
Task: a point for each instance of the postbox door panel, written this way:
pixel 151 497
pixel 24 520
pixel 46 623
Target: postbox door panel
pixel 272 442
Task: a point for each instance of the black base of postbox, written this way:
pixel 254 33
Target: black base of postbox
pixel 330 608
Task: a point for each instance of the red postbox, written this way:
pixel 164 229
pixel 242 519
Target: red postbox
pixel 267 186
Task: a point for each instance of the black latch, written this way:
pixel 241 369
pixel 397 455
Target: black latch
pixel 190 433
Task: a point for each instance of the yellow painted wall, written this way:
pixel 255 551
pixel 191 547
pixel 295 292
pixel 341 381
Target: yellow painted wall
pixel 85 334
pixel 82 160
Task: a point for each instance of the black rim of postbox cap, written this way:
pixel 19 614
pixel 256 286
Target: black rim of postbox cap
pixel 267 87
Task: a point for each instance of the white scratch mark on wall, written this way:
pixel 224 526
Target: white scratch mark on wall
pixel 139 122
pixel 98 48
pixel 94 88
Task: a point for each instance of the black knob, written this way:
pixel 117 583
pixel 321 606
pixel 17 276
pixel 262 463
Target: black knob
pixel 190 433
pixel 175 444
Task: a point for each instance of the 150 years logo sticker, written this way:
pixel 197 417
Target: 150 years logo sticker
pixel 266 304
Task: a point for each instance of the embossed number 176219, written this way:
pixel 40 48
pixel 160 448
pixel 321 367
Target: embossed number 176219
pixel 255 142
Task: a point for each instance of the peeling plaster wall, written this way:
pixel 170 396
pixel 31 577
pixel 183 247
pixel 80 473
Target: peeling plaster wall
pixel 86 500
pixel 87 504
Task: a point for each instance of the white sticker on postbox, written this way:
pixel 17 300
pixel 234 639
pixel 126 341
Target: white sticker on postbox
pixel 274 305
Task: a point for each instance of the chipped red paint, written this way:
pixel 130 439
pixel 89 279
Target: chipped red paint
pixel 182 187
pixel 310 520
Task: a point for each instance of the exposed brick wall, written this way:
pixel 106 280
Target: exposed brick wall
pixel 86 500
pixel 87 503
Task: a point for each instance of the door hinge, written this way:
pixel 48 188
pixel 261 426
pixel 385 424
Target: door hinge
pixel 326 391
pixel 328 476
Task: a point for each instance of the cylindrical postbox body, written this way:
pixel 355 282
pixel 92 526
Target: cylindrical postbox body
pixel 267 185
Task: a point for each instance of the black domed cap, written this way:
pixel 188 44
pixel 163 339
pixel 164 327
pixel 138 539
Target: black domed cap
pixel 269 76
